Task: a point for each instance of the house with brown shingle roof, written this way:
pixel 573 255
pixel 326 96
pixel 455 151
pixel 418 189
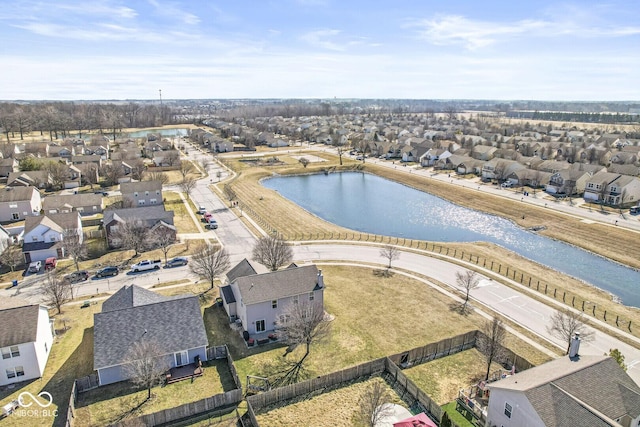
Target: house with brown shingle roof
pixel 258 300
pixel 26 337
pixel 84 204
pixel 17 203
pixel 142 193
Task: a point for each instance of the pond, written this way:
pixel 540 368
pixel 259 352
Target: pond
pixel 371 204
pixel 163 132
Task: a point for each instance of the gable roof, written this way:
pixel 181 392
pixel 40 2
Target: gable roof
pixel 132 187
pixel 54 221
pixel 19 325
pixel 15 194
pixel 244 268
pixel 563 391
pixel 72 200
pixel 174 323
pixel 277 284
pixel 149 214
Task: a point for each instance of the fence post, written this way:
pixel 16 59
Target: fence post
pixel 507 272
pixel 605 315
pixel 573 300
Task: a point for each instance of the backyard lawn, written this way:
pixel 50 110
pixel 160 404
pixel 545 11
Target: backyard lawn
pixel 181 219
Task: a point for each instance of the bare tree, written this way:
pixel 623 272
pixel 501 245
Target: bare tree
pixel 112 173
pixel 564 324
pixel 163 238
pixel 12 256
pixel 390 252
pixel 272 252
pixel 302 323
pixel 304 162
pixel 186 167
pixel 146 367
pixel 89 173
pixel 451 112
pixel 205 164
pixel 131 234
pixel 157 176
pixel 55 291
pixel 340 148
pixel 209 262
pixel 490 341
pixel 187 185
pixel 172 158
pixel 218 175
pixel 74 246
pixel 374 404
pixel 58 173
pixel 499 170
pixel 467 280
pixel 138 169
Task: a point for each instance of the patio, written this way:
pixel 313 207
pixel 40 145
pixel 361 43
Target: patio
pixel 180 373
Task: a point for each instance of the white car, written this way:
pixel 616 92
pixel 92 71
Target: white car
pixel 202 210
pixel 506 184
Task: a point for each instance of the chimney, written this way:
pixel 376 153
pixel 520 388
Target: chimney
pixel 320 279
pixel 574 348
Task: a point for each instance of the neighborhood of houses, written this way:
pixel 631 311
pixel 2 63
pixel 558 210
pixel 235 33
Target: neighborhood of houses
pixel 40 210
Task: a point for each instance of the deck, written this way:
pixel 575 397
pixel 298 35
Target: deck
pixel 185 372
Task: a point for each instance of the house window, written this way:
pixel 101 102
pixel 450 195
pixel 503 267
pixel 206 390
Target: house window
pixel 95 208
pixel 80 209
pixel 146 193
pixel 153 201
pixel 507 410
pixel 295 299
pixel 135 194
pixel 6 353
pixel 15 215
pixel 19 371
pixel 15 351
pixel 34 238
pixel 11 373
pixel 157 192
pixel 260 326
pixel 311 296
pixel 274 303
pixel 52 238
pixel 182 358
pixel 13 206
pixel 141 202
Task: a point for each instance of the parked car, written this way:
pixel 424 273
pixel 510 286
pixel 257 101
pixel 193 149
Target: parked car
pixel 202 210
pixel 212 224
pixel 50 263
pixel 177 262
pixel 77 276
pixel 506 184
pixel 206 217
pixel 107 271
pixel 35 267
pixel 148 264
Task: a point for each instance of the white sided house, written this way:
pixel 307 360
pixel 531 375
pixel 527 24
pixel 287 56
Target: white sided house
pixel 44 235
pixel 258 300
pixel 571 391
pixel 26 337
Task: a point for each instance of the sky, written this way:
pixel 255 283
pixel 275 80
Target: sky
pixel 418 49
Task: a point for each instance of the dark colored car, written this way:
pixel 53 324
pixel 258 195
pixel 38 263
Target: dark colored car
pixel 77 276
pixel 177 262
pixel 107 271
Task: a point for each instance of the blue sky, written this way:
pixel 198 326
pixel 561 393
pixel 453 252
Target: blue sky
pixel 116 49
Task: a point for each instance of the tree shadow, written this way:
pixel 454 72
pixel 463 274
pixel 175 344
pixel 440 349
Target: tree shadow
pixel 386 273
pixel 459 308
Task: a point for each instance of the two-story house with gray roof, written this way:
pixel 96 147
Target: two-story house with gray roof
pixel 26 337
pixel 259 300
pixel 17 203
pixel 142 193
pixel 155 218
pixel 132 315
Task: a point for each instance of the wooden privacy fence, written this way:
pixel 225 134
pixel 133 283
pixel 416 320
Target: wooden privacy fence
pixel 436 350
pixel 86 383
pixel 208 404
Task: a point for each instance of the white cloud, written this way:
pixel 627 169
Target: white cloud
pixel 171 9
pixel 324 39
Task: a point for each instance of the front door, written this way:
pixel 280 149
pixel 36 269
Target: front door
pixel 182 358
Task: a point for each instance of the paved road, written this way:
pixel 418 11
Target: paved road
pixel 238 241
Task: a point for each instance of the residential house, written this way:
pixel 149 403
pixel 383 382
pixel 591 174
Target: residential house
pixel 101 150
pixel 259 300
pixel 84 204
pixel 483 152
pixel 169 158
pixel 573 391
pixel 73 177
pixel 624 157
pixel 142 193
pixel 44 235
pixel 572 180
pixel 154 217
pixel 26 338
pixel 433 155
pixel 152 147
pixel 81 160
pixel 134 315
pixel 39 179
pixel 220 145
pixel 8 166
pixel 36 149
pixel 18 203
pixel 62 151
pixel 612 189
pixel 414 154
pixel 126 170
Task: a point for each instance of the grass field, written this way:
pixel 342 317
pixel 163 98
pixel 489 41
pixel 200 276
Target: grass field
pixel 393 314
pixel 182 220
pixel 335 408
